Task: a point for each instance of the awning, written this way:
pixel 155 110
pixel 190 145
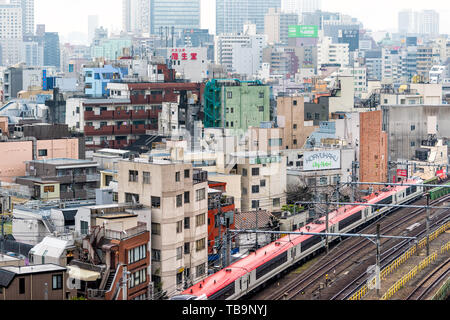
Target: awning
pixel 83 274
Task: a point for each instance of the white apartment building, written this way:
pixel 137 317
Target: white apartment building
pixel 391 66
pixel 11 34
pixel 240 53
pixel 359 78
pixel 177 195
pixel 332 53
pixel 27 15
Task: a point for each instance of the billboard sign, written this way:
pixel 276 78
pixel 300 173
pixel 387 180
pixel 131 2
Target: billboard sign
pixel 322 160
pixel 402 173
pixel 296 31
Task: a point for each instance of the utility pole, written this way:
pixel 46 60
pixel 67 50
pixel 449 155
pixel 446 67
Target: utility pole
pixel 256 214
pixel 327 222
pixel 228 244
pixel 124 284
pixel 378 267
pixel 428 224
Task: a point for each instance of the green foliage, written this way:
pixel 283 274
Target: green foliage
pixel 291 208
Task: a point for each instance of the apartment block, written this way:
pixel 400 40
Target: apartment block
pixel 178 196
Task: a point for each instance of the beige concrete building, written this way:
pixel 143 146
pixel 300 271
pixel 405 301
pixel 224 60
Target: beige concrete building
pixel 177 194
pixel 291 117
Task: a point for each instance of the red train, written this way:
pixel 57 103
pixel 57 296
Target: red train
pixel 249 273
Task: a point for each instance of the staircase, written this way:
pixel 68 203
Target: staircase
pixel 110 280
pixel 48 223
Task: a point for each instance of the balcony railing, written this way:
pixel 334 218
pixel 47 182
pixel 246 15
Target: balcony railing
pixel 122 130
pixel 103 131
pixel 104 115
pixel 122 115
pixel 130 233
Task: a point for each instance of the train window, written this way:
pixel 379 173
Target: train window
pixel 272 264
pixel 225 293
pixel 310 242
pixel 350 220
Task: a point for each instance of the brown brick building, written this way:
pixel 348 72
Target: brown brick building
pixel 373 148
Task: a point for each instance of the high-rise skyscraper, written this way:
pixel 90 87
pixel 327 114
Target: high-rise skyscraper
pixel 180 14
pixel 231 15
pixel 11 34
pixel 408 22
pixel 27 15
pixel 301 6
pixel 429 22
pixel 136 16
pixel 52 53
pixel 92 25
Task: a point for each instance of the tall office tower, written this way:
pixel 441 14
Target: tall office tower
pixel 301 6
pixel 180 14
pixel 92 25
pixel 52 53
pixel 231 15
pixel 408 22
pixel 276 25
pixel 429 22
pixel 27 15
pixel 136 16
pixel 11 34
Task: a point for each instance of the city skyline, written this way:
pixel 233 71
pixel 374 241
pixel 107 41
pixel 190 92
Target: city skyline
pixel 110 15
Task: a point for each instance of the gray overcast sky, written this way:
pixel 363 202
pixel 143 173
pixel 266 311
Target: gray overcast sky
pixel 66 16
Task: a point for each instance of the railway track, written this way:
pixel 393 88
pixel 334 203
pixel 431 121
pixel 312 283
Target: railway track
pixel 432 280
pixel 354 254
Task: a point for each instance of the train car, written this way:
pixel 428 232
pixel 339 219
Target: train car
pixel 253 271
pixel 439 192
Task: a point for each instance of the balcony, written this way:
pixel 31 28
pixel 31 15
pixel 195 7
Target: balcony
pixel 122 130
pixel 103 131
pixel 118 144
pixel 139 114
pixel 140 128
pixel 127 234
pixel 104 115
pixel 122 115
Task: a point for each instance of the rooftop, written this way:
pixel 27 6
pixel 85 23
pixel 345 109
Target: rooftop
pixel 34 269
pixel 65 161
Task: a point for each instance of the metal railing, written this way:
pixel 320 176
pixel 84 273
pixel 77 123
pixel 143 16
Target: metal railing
pixel 122 235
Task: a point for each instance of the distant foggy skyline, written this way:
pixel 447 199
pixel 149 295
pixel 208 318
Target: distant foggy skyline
pixel 68 17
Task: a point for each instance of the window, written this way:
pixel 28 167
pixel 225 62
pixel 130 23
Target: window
pixel 179 253
pixel 261 108
pixel 187 197
pixel 261 95
pixel 244 172
pixel 200 195
pixel 413 127
pixel 131 198
pixel 295 126
pixel 187 174
pixel 295 102
pixel 179 278
pixel 255 172
pixel 255 204
pixel 255 189
pixel 413 144
pixel 323 181
pixel 137 254
pixel 84 227
pixel 262 183
pixel 57 280
pixel 187 248
pixel 179 201
pixel 138 278
pixel 200 220
pixel 229 95
pixel 156 255
pixel 42 153
pixel 295 142
pixel 48 189
pixel 156 202
pixel 177 177
pixel 244 191
pixel 179 226
pixel 22 286
pixel 187 223
pixel 133 176
pixel 201 270
pixel 146 177
pixel 276 202
pixel 156 229
pixel 200 244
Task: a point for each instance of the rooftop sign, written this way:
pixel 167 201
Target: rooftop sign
pixel 296 31
pixel 322 160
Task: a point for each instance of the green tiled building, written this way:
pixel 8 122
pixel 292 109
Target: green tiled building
pixel 235 104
